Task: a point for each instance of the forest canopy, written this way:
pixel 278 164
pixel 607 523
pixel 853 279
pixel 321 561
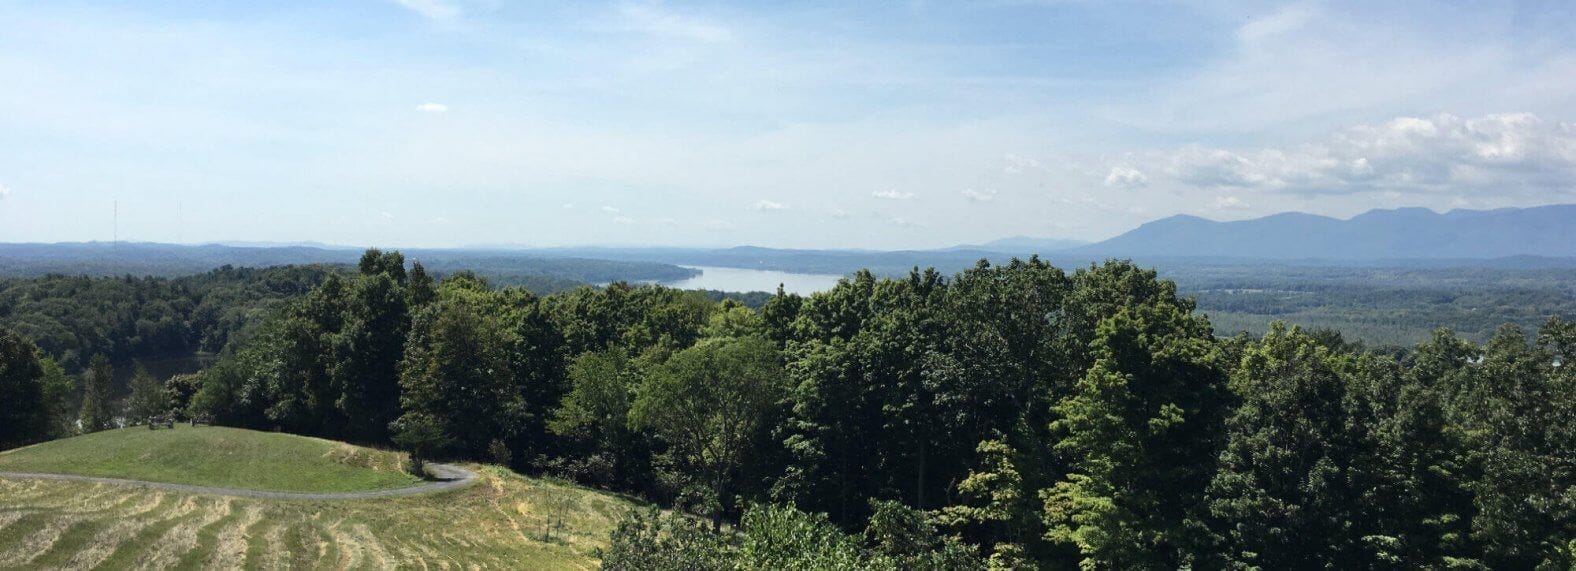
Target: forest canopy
pixel 1009 416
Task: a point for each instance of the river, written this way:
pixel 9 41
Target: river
pixel 741 280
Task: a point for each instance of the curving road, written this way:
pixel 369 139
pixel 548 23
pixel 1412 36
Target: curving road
pixel 450 477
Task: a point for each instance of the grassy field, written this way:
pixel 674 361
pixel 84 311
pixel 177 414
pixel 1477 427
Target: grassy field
pixel 217 456
pixel 504 521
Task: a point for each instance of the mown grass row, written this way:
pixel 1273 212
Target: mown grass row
pixel 505 521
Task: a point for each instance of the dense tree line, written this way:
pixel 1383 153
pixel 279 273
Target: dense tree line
pixel 126 319
pixel 1012 416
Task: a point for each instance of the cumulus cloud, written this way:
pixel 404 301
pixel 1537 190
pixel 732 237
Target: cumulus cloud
pixel 432 108
pixel 386 215
pixel 1125 177
pixel 610 210
pixel 893 194
pixel 5 191
pixel 767 205
pixel 984 195
pixel 1443 153
pixel 434 9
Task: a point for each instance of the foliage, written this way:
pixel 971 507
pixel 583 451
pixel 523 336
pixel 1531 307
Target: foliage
pixel 98 410
pixel 782 537
pixel 24 410
pixel 148 398
pixel 1038 417
pixel 709 401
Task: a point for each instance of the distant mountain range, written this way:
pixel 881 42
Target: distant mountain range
pixel 1540 237
pixel 1396 234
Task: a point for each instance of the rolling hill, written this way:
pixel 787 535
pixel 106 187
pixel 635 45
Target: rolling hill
pixel 500 521
pixel 1398 234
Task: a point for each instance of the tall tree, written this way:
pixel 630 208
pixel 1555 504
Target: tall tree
pixel 537 369
pixel 422 290
pixel 24 412
pixel 594 420
pixel 708 402
pixel 148 398
pixel 1286 494
pixel 367 354
pixel 1140 428
pixel 98 410
pixel 60 394
pixel 456 371
pixel 1520 417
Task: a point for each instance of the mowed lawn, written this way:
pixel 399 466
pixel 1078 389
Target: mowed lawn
pixel 217 456
pixel 504 521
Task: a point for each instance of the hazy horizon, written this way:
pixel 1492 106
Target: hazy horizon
pixel 445 123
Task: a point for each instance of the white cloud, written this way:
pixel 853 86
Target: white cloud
pixel 5 191
pixel 623 220
pixel 1126 177
pixel 892 195
pixel 434 9
pixel 767 205
pixel 610 210
pixel 985 195
pixel 1441 154
pixel 1014 164
pixel 840 214
pixel 386 215
pixel 1229 203
pixel 432 108
pixel 656 21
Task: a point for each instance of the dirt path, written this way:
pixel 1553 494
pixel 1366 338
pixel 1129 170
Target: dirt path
pixel 449 476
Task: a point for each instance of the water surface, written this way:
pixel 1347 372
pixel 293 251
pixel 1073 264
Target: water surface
pixel 741 280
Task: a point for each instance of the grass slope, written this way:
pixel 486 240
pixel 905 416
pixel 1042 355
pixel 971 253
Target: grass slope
pixel 505 521
pixel 216 456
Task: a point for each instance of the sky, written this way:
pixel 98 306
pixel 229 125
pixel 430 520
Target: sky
pixel 448 123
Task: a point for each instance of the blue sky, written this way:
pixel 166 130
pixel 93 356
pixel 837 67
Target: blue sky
pixel 864 125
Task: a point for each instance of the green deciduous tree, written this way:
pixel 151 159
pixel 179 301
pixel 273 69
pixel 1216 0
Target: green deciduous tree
pixel 1140 430
pixel 594 420
pixel 708 402
pixel 1287 492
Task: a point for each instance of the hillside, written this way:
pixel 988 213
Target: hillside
pixel 503 521
pixel 541 273
pixel 229 457
pixel 1404 233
